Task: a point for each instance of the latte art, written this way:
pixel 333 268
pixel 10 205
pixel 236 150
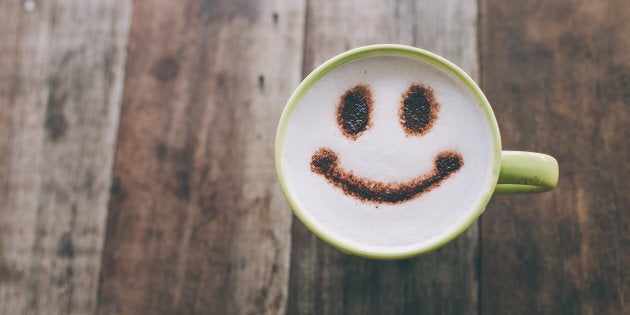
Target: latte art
pixel 325 162
pixel 418 112
pixel 419 109
pixel 354 111
pixel 387 153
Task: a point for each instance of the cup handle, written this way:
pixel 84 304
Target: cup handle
pixel 526 172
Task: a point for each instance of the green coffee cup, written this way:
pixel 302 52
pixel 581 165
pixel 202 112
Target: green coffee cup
pixel 510 172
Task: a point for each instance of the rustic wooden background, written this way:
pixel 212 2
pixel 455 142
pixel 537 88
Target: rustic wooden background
pixel 137 172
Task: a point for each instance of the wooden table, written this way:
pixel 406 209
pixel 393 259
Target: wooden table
pixel 137 172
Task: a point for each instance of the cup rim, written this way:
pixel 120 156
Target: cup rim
pixel 368 51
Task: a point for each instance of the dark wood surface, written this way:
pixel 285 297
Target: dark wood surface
pixel 61 79
pixel 137 172
pixel 558 76
pixel 197 222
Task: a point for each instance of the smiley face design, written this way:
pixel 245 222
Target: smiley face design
pixel 417 113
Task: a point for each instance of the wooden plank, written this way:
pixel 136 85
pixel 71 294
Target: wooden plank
pixel 61 73
pixel 326 281
pixel 558 74
pixel 197 221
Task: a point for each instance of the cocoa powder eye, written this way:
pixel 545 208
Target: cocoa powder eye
pixel 354 111
pixel 418 110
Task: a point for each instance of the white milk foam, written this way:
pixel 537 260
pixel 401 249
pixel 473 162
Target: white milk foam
pixel 385 153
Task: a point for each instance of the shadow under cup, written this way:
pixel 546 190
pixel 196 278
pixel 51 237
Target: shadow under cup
pixel 390 151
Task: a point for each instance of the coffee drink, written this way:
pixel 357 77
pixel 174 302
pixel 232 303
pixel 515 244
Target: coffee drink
pixel 386 153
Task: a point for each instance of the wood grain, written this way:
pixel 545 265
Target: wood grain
pixel 197 222
pixel 326 281
pixel 61 74
pixel 558 76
